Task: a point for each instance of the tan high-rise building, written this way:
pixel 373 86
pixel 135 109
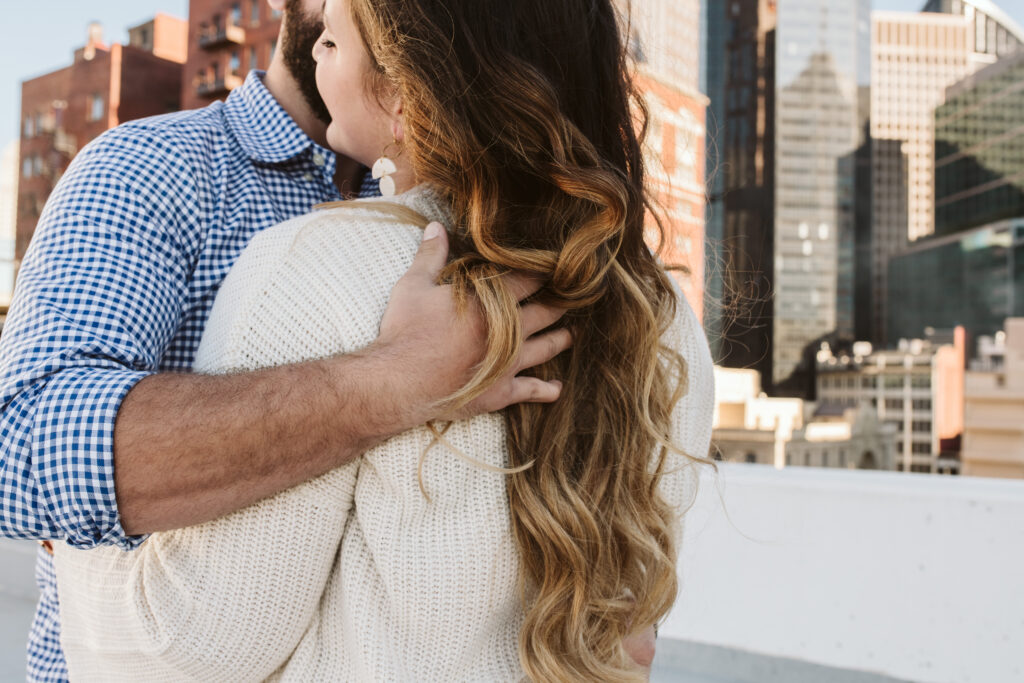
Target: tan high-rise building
pixel 914 58
pixel 993 405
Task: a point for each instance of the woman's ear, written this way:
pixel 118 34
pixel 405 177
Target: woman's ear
pixel 398 120
pixel 276 5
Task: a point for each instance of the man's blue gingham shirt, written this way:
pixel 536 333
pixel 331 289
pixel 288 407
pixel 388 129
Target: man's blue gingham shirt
pixel 117 284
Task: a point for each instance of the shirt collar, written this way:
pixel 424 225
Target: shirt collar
pixel 262 127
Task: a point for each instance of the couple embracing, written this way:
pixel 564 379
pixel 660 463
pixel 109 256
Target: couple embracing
pixel 443 427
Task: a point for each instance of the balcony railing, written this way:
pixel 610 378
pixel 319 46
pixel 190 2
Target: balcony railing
pixel 216 87
pixel 213 37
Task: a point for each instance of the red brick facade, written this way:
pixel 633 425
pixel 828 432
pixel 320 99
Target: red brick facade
pixel 63 110
pixel 675 145
pixel 226 40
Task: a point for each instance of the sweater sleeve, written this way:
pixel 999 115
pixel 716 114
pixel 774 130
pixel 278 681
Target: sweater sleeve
pixel 693 415
pixel 228 600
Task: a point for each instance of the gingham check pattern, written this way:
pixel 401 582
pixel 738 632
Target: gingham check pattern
pixel 117 284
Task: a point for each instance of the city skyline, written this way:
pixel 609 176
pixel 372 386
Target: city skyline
pixel 45 40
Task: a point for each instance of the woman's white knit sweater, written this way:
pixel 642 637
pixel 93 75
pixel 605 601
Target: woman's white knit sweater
pixel 353 576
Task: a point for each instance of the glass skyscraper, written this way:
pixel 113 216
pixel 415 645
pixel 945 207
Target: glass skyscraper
pixel 974 278
pixel 972 272
pixel 822 82
pixel 979 148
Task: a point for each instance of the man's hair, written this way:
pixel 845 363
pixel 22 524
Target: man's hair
pixel 524 114
pixel 299 33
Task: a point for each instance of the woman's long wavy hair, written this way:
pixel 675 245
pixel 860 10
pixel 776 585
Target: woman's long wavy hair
pixel 524 115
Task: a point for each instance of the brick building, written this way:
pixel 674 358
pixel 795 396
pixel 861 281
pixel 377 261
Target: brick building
pixel 226 40
pixel 104 86
pixel 675 147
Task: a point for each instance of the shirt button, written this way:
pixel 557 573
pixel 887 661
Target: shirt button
pixel 307 176
pixel 318 159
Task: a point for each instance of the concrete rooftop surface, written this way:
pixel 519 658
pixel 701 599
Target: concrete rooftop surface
pixel 801 575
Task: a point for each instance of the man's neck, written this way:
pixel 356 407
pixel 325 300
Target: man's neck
pixel 280 83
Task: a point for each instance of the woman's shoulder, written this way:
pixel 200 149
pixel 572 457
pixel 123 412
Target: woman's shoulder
pixel 686 335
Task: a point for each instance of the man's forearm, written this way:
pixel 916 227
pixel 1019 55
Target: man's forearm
pixel 192 448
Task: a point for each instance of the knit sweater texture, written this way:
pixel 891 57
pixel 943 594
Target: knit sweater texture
pixel 353 576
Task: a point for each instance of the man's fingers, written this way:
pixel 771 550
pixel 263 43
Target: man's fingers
pixel 641 647
pixel 543 347
pixel 522 285
pixel 537 317
pixel 533 390
pixel 432 255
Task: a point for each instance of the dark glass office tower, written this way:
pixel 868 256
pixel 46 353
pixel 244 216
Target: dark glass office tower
pixel 822 81
pixel 971 272
pixel 979 148
pixel 973 278
pixel 744 190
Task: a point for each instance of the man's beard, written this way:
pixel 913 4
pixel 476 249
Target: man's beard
pixel 299 34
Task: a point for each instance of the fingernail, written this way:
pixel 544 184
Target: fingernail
pixel 432 231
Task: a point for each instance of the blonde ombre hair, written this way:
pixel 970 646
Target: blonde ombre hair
pixel 524 116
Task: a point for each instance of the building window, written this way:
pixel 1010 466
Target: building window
pixel 253 60
pixel 26 167
pixel 276 14
pixel 751 458
pixel 96 107
pixel 38 167
pixel 236 14
pixel 235 65
pixel 29 130
pixel 254 12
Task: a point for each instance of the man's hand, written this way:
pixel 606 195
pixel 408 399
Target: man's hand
pixel 640 646
pixel 439 349
pixel 277 427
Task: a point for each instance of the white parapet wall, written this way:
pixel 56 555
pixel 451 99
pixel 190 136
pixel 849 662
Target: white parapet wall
pixel 918 577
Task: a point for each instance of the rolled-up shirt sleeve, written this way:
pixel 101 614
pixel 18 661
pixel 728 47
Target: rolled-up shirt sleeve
pixel 98 299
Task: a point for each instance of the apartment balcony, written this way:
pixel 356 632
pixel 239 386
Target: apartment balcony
pixel 218 87
pixel 813 576
pixel 214 37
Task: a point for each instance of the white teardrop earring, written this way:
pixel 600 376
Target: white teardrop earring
pixel 383 170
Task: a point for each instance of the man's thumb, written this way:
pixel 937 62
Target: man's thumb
pixel 433 253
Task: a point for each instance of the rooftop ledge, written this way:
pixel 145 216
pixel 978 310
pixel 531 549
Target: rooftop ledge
pixel 846 576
